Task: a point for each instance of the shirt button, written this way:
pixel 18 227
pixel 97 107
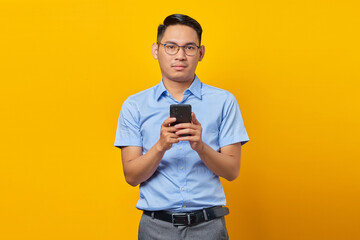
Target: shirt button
pixel 181 168
pixel 184 206
pixel 180 148
pixel 182 189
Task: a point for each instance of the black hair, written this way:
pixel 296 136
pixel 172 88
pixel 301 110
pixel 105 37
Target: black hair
pixel 180 19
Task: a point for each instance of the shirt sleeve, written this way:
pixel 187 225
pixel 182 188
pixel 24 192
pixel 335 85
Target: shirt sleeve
pixel 232 129
pixel 128 127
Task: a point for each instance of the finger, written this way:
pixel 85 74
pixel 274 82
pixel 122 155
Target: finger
pixel 169 120
pixel 167 135
pixel 170 129
pixel 184 125
pixel 173 135
pixel 186 131
pixel 188 138
pixel 174 140
pixel 194 119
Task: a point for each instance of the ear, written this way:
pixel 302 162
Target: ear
pixel 154 50
pixel 202 52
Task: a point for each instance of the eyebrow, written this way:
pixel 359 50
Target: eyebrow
pixel 188 43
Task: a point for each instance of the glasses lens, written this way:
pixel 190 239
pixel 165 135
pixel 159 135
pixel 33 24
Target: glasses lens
pixel 191 50
pixel 171 48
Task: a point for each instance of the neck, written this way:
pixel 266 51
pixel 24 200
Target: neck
pixel 177 88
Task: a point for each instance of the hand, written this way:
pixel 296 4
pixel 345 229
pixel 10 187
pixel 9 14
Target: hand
pixel 167 135
pixel 194 129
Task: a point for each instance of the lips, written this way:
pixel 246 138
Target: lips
pixel 179 67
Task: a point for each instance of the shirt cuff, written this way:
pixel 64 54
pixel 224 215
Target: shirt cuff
pixel 127 142
pixel 232 140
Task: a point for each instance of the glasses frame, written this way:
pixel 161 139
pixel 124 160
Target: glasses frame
pixel 164 44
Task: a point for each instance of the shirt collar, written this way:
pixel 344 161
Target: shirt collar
pixel 195 88
pixel 160 89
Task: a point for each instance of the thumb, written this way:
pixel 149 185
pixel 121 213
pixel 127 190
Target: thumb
pixel 193 119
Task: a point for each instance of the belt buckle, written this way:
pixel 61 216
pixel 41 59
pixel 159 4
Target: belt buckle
pixel 183 217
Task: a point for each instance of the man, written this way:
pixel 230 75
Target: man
pixel 180 191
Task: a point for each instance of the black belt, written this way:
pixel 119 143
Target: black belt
pixel 189 218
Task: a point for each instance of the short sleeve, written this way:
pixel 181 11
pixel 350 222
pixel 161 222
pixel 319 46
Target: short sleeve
pixel 128 127
pixel 232 129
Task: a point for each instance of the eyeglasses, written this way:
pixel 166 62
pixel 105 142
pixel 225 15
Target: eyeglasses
pixel 173 48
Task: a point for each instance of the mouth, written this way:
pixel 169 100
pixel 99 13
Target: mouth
pixel 179 67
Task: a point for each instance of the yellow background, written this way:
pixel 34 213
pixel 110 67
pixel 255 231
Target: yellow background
pixel 67 66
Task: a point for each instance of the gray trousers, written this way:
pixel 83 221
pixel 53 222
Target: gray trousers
pixel 154 229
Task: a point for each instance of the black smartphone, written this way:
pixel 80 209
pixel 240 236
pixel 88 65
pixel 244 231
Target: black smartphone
pixel 182 113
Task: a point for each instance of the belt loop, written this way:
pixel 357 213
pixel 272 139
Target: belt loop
pixel 205 215
pixel 152 215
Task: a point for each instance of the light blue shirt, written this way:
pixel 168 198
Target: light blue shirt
pixel 181 182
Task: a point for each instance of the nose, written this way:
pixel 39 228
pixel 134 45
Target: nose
pixel 180 55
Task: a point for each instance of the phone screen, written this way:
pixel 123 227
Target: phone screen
pixel 182 113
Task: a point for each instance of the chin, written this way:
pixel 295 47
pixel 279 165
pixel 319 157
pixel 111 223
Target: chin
pixel 182 77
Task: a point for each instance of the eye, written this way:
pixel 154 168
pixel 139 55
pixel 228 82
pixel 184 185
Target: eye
pixel 190 47
pixel 170 46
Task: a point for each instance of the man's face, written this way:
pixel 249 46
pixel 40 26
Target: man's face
pixel 178 67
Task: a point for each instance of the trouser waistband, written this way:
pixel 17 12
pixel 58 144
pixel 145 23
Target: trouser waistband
pixel 189 218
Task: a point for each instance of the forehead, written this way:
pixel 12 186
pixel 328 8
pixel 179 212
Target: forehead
pixel 180 34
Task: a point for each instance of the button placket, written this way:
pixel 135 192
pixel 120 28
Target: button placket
pixel 182 173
